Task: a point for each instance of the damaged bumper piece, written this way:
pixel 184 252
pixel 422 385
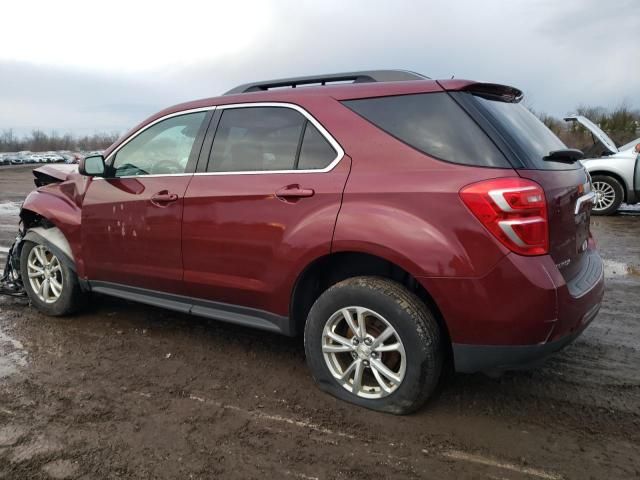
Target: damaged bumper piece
pixel 11 281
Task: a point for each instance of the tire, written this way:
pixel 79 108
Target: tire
pixel 383 303
pixel 610 194
pixel 70 297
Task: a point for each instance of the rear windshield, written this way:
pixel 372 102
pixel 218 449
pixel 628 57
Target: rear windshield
pixel 526 134
pixel 432 123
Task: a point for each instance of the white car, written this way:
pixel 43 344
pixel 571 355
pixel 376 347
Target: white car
pixel 615 171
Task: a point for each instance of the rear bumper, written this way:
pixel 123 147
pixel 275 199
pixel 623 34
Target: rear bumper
pixel 487 358
pixel 519 313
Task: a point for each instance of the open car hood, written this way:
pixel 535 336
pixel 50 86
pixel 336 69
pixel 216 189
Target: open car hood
pixel 48 174
pixel 630 145
pixel 595 130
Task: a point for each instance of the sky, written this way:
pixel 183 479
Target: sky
pixel 85 67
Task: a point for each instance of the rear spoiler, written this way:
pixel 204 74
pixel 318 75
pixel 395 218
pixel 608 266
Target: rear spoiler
pixel 494 91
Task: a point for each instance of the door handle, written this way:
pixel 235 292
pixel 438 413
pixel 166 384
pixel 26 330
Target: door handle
pixel 294 191
pixel 163 198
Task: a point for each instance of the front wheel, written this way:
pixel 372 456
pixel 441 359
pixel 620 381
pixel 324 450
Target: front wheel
pixel 371 342
pixel 52 286
pixel 609 195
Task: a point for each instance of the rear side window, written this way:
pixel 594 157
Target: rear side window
pixel 256 139
pixel 267 138
pixel 434 124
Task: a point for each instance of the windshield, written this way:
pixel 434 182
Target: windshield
pixel 529 137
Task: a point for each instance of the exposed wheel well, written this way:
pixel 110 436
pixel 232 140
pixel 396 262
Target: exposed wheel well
pixel 32 219
pixel 331 269
pixel 613 175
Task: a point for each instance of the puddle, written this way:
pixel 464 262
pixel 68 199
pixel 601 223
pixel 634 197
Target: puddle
pixel 12 355
pixel 9 209
pixel 619 269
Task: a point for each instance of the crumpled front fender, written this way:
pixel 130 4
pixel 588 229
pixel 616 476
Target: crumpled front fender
pixel 62 208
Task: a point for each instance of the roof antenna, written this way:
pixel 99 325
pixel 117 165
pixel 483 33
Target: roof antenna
pixel 452 77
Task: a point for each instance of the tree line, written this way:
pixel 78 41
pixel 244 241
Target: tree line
pixel 621 123
pixel 39 141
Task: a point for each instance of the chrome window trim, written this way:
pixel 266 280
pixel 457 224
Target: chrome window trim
pixel 157 120
pixel 323 131
pixel 152 175
pixel 111 156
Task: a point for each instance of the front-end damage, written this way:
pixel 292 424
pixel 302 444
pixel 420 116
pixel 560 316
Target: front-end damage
pixel 50 215
pixel 11 281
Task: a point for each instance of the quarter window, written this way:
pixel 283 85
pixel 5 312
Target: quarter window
pixel 316 152
pixel 434 124
pixel 267 139
pixel 163 148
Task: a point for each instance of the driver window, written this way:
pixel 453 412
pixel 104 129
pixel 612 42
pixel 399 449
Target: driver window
pixel 161 149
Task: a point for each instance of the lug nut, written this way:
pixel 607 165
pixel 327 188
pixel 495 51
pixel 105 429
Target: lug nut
pixel 374 354
pixel 368 341
pixel 354 340
pixel 366 363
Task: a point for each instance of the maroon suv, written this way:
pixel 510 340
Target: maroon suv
pixel 398 222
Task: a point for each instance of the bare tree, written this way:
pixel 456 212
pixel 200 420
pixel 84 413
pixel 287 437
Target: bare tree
pixel 39 141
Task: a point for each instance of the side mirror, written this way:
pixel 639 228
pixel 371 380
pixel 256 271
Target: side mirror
pixel 92 166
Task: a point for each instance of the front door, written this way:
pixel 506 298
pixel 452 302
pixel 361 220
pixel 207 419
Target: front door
pixel 265 206
pixel 132 219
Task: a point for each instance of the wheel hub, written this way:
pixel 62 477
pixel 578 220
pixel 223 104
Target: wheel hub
pixel 363 351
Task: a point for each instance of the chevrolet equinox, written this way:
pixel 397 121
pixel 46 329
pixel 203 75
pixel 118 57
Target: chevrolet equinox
pixel 400 224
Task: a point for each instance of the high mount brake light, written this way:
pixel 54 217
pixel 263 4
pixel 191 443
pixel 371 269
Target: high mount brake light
pixel 512 209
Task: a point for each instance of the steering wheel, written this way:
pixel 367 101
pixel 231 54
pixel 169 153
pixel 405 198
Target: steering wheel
pixel 166 167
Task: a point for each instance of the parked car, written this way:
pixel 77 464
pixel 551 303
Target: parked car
pixel 615 172
pixel 68 157
pixel 15 160
pixel 4 160
pixel 395 222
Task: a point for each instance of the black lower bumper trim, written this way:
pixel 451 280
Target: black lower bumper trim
pixel 492 358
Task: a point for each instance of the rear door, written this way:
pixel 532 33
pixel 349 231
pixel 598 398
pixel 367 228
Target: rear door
pixel 132 219
pixel 265 203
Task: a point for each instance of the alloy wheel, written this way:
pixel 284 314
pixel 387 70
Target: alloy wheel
pixel 605 195
pixel 363 352
pixel 45 274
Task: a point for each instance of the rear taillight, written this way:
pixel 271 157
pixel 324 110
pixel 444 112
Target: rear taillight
pixel 514 210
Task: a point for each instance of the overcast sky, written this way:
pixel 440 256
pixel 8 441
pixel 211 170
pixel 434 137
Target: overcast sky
pixel 87 67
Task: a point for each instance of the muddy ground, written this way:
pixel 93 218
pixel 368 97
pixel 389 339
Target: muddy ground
pixel 129 391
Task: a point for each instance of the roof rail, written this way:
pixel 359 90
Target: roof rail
pixel 365 76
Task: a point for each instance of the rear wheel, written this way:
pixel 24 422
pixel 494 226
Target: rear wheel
pixel 371 342
pixel 52 286
pixel 609 194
